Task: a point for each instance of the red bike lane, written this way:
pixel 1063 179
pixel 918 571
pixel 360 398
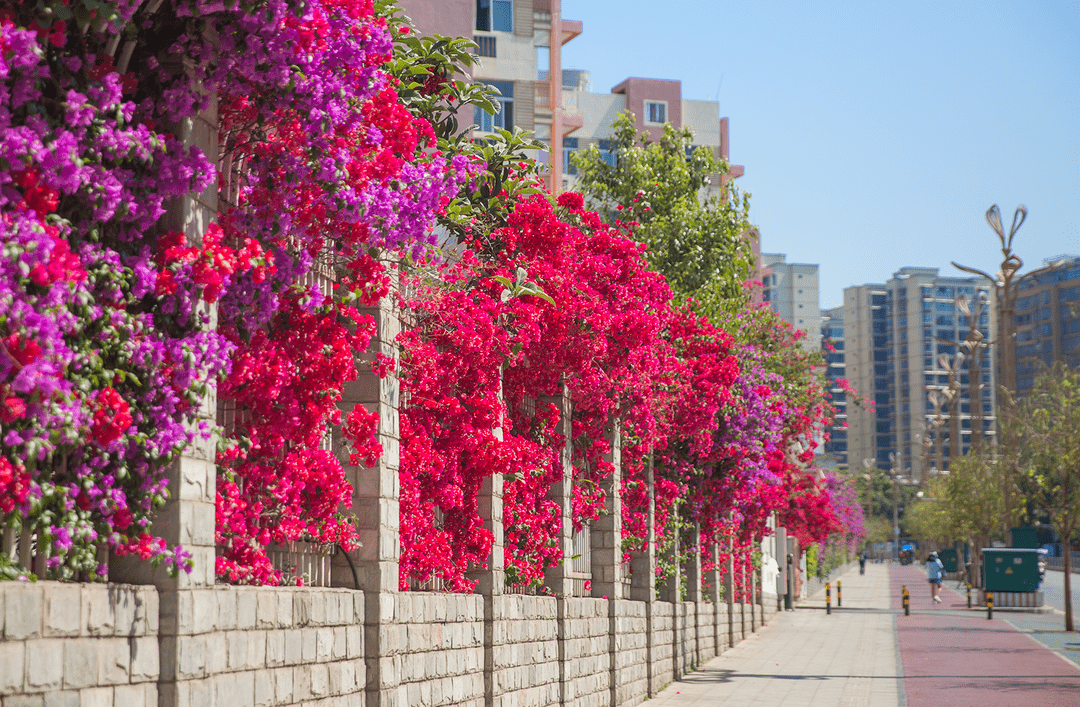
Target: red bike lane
pixel 957 657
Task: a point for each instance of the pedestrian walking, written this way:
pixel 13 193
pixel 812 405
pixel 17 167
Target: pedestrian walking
pixel 936 572
pixel 862 562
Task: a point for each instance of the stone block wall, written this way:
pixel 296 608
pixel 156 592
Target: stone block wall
pixel 587 653
pixel 96 644
pixel 685 638
pixel 442 648
pixel 706 632
pixel 631 653
pixel 526 651
pixel 661 664
pixel 70 644
pixel 247 646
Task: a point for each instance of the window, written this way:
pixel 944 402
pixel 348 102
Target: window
pixel 504 119
pixel 569 146
pixel 497 15
pixel 607 152
pixel 655 112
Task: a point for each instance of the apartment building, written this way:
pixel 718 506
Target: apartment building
pixel 1048 320
pixel 895 336
pixel 833 350
pixel 653 103
pixel 792 290
pixel 520 46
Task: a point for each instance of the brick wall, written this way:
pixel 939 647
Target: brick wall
pixel 78 644
pixel 442 641
pixel 526 651
pixel 587 653
pixel 631 653
pixel 661 666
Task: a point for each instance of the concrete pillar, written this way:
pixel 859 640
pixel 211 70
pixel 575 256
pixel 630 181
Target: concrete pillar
pixel 606 540
pixel 188 516
pixel 714 597
pixel 742 602
pixel 606 535
pixel 670 593
pixel 693 589
pixel 729 589
pixel 491 579
pixel 375 501
pixel 558 579
pixel 643 575
pixel 753 597
pixel 781 561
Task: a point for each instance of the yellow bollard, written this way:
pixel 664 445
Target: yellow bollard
pixel 989 605
pixel 828 598
pixel 839 598
pixel 969 594
pixel 907 601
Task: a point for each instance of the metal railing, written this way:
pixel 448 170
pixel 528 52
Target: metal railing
pixel 1058 563
pixel 581 557
pixel 303 560
pixel 485 45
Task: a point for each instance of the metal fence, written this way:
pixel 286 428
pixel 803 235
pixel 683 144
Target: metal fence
pixel 1058 563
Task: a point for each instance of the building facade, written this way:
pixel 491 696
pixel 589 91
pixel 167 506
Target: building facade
pixel 792 290
pixel 653 103
pixel 520 47
pixel 833 351
pixel 1048 321
pixel 904 353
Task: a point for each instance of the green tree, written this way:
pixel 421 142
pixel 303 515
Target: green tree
pixel 974 490
pixel 929 517
pixel 697 236
pixel 1050 455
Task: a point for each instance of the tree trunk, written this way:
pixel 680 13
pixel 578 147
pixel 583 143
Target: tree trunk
pixel 1068 583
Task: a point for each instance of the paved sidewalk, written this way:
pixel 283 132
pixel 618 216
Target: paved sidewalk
pixel 867 653
pixel 804 658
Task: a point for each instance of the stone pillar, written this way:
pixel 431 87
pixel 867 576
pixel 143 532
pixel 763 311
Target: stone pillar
pixel 606 536
pixel 188 516
pixel 781 561
pixel 606 539
pixel 753 596
pixel 729 589
pixel 375 500
pixel 670 593
pixel 643 575
pixel 491 579
pixel 693 588
pixel 693 566
pixel 742 603
pixel 558 579
pixel 714 597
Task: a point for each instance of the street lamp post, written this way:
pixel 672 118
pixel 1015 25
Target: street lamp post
pixel 895 507
pixel 1006 287
pixel 975 346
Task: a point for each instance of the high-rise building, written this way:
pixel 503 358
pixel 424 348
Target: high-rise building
pixel 895 337
pixel 833 350
pixel 1048 321
pixel 792 290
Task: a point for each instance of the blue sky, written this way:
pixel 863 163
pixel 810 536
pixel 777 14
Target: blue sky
pixel 874 134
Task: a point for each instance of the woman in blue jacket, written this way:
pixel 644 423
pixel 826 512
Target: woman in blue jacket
pixel 936 572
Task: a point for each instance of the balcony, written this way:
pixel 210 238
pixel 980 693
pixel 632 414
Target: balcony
pixel 486 45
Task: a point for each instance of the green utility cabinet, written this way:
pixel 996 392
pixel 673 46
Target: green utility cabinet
pixel 948 559
pixel 1010 569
